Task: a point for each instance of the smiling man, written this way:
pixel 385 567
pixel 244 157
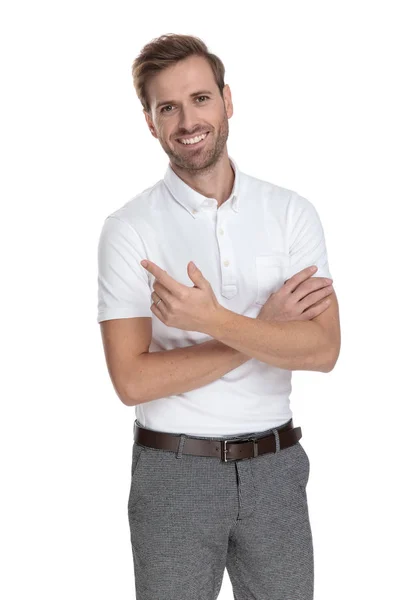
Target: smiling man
pixel 192 126
pixel 205 351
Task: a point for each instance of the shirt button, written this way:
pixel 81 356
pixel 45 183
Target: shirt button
pixel 194 211
pixel 221 231
pixel 226 263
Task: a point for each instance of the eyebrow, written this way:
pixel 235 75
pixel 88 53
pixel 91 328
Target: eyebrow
pixel 163 102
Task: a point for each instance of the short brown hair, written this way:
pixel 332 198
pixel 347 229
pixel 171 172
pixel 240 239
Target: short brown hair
pixel 165 51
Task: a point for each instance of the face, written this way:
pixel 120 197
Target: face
pixel 185 102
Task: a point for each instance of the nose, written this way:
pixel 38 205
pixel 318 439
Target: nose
pixel 188 119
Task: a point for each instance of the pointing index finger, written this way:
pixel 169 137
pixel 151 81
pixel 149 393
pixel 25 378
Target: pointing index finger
pixel 162 276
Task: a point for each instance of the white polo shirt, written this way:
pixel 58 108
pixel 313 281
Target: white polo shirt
pixel 247 248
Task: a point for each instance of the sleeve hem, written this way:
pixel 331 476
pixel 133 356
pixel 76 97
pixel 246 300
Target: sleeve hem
pixel 123 313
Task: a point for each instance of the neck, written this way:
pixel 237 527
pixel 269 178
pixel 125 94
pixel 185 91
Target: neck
pixel 215 181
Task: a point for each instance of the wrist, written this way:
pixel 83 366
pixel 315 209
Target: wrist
pixel 218 321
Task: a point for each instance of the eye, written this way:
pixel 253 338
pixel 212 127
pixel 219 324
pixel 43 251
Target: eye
pixel 163 109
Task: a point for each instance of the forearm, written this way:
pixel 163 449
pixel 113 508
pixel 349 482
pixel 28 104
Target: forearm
pixel 292 345
pixel 160 374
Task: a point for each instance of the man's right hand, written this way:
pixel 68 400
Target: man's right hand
pixel 301 298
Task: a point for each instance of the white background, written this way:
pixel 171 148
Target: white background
pixel 316 110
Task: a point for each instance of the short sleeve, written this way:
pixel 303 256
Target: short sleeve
pixel 123 286
pixel 306 238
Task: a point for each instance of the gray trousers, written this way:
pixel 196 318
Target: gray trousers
pixel 190 517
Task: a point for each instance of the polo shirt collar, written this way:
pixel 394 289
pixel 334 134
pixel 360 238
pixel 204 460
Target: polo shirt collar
pixel 192 200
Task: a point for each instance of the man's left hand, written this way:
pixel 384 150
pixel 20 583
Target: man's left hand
pixel 189 308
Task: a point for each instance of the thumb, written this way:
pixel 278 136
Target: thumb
pixel 197 277
pixel 192 267
pixel 194 273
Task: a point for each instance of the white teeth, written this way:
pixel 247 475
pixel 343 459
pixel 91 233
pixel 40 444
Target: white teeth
pixel 194 140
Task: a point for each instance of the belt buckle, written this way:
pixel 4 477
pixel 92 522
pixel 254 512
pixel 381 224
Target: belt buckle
pixel 224 450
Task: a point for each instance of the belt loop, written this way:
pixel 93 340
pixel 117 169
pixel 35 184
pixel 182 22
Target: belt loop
pixel 181 443
pixel 277 440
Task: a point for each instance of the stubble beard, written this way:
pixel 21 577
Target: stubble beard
pixel 206 158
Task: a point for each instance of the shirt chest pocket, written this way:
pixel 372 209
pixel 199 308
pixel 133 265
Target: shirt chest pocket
pixel 270 272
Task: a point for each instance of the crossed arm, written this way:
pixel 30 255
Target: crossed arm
pixel 312 345
pixel 164 373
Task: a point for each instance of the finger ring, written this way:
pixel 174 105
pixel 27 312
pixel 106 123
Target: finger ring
pixel 157 303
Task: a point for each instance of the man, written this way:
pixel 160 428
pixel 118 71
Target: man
pixel 206 354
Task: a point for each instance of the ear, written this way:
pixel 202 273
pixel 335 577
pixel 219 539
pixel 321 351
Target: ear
pixel 228 100
pixel 150 123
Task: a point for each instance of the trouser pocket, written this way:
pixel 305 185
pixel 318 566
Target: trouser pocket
pixel 136 455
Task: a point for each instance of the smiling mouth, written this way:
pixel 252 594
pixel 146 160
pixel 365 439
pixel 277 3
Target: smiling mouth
pixel 194 144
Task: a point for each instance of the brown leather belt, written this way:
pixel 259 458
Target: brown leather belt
pixel 226 449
